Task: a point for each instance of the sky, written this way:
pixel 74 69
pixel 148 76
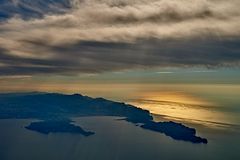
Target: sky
pixel 138 41
pixel 70 37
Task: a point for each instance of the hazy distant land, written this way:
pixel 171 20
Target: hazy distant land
pixel 55 111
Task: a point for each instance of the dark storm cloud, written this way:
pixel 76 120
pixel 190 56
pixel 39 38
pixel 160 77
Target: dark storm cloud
pixel 96 57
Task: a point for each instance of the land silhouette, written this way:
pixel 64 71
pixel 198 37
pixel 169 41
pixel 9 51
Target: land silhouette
pixel 55 112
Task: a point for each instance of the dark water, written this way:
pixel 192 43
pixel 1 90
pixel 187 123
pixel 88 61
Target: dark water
pixel 114 140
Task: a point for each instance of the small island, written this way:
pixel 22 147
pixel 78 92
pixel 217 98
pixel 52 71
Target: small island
pixel 175 130
pixel 57 126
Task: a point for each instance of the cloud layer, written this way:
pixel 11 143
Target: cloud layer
pixel 109 35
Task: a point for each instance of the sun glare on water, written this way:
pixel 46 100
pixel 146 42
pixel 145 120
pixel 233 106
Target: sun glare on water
pixel 180 106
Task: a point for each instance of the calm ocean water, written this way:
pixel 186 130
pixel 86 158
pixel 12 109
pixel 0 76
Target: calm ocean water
pixel 114 139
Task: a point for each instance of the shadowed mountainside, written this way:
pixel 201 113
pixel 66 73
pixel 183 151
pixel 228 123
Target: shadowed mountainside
pixel 56 109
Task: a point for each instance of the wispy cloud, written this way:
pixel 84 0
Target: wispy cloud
pixel 165 72
pixel 187 71
pixel 15 77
